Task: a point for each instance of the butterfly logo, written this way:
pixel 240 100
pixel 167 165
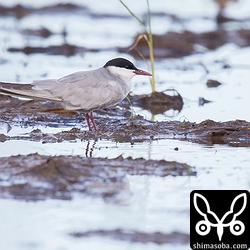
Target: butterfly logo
pixel 203 227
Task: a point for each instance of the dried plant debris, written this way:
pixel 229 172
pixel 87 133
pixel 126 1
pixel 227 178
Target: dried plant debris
pixel 176 45
pixel 38 177
pixel 135 236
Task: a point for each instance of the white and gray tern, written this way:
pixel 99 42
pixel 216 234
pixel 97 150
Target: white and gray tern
pixel 85 91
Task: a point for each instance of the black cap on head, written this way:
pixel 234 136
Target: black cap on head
pixel 121 63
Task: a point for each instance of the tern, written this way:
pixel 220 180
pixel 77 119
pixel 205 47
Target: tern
pixel 85 91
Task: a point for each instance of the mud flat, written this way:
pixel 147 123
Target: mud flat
pixel 38 177
pixel 115 124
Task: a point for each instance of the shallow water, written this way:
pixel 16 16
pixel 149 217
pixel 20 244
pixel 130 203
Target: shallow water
pixel 148 203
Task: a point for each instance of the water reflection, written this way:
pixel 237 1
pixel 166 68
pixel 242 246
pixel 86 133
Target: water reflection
pixel 90 148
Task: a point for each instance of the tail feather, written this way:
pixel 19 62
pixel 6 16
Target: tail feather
pixel 26 91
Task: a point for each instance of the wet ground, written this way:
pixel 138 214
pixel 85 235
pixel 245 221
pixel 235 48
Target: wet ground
pixel 127 185
pixel 116 124
pixel 65 175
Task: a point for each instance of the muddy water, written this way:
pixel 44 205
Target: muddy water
pixel 127 186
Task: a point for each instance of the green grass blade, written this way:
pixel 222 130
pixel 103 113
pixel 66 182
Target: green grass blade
pixel 134 15
pixel 151 52
pixel 149 38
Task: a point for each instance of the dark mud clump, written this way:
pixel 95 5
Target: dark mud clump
pixel 37 177
pixel 42 32
pixel 20 11
pixel 64 49
pixel 138 237
pixel 213 83
pixel 158 102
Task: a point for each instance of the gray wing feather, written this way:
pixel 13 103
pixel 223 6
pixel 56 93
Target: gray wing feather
pixel 81 90
pixel 25 90
pixel 75 77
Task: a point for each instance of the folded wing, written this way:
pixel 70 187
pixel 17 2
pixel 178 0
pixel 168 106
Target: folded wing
pixel 82 90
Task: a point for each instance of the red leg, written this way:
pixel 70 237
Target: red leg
pixel 91 118
pixel 93 121
pixel 87 119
